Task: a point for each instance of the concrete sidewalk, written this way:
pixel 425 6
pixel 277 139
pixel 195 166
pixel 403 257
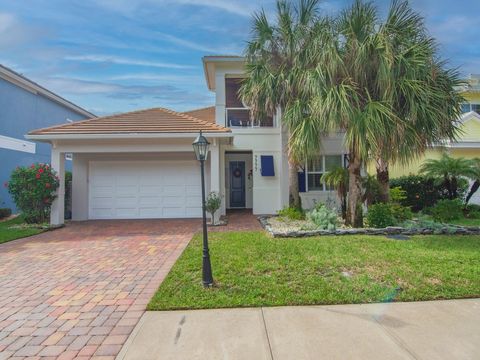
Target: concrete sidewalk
pixel 422 330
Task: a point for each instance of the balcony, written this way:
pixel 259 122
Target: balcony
pixel 240 118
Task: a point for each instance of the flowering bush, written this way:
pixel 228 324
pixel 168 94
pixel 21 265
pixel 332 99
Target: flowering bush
pixel 33 190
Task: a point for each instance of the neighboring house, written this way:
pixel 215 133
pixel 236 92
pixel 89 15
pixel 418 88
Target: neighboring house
pixel 141 164
pixel 25 105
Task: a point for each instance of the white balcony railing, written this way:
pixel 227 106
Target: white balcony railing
pixel 240 118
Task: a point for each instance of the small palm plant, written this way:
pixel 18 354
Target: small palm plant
pixel 338 179
pixel 476 180
pixel 449 170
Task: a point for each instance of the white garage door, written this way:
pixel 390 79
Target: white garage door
pixel 144 189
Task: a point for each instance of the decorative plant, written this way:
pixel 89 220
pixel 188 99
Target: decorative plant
pixel 33 190
pixel 380 215
pixel 449 171
pixel 338 178
pixel 323 217
pixel 447 210
pixel 291 213
pixel 212 204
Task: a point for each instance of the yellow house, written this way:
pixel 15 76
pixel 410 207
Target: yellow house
pixel 468 144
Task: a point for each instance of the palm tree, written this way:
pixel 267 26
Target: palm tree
pixel 412 80
pixel 449 170
pixel 338 179
pixel 476 180
pixel 276 58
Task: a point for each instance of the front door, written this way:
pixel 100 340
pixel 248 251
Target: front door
pixel 237 184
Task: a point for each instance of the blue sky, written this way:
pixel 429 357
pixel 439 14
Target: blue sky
pixel 112 56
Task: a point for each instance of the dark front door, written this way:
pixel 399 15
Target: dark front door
pixel 237 184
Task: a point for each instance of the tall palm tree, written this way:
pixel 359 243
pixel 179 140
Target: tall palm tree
pixel 412 80
pixel 276 57
pixel 338 179
pixel 449 170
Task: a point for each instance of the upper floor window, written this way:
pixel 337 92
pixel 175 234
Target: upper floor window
pixel 467 107
pixel 318 166
pixel 236 113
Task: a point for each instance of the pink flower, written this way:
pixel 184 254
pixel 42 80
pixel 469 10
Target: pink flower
pixel 47 185
pixel 33 166
pixel 37 176
pixel 5 184
pixel 40 170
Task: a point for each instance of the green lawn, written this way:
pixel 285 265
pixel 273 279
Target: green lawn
pixel 8 234
pixel 252 269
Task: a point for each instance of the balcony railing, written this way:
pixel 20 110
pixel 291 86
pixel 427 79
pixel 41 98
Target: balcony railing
pixel 240 118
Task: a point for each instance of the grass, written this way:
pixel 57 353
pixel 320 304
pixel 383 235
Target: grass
pixel 7 233
pixel 252 269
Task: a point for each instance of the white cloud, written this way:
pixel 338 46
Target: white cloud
pixel 125 61
pixel 13 32
pixel 242 8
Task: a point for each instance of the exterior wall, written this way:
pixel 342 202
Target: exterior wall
pixel 267 192
pixel 20 112
pixel 81 162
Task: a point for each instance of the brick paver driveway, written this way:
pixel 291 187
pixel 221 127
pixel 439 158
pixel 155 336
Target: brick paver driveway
pixel 80 290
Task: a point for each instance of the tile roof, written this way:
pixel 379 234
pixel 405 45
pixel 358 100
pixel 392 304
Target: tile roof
pixel 156 120
pixel 207 114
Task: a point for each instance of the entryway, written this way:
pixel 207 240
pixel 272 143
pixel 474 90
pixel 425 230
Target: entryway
pixel 238 180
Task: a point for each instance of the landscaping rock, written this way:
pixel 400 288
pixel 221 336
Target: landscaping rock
pixel 285 229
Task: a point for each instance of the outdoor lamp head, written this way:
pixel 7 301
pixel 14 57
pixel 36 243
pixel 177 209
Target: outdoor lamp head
pixel 200 146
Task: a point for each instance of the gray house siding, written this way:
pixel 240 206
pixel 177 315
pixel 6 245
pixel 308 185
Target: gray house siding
pixel 20 112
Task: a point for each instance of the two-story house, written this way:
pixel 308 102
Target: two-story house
pixel 24 105
pixel 141 164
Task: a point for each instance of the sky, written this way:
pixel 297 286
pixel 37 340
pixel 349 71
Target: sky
pixel 111 56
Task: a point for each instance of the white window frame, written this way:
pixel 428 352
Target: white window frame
pixel 470 103
pixel 307 172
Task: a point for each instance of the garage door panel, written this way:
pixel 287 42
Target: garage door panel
pixel 144 189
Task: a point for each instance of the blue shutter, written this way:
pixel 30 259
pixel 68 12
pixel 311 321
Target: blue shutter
pixel 267 165
pixel 301 182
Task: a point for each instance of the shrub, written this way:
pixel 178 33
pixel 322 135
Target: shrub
pixel 447 210
pixel 68 194
pixel 213 203
pixel 400 213
pixel 422 192
pixel 380 215
pixel 5 212
pixel 397 194
pixel 292 213
pixel 323 217
pixel 33 191
pixel 424 222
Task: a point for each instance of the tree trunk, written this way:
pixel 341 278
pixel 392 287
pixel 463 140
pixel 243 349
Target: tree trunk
pixel 472 191
pixel 294 195
pixel 354 211
pixel 383 178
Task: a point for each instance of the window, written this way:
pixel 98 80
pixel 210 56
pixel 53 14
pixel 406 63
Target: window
pixel 236 113
pixel 317 167
pixel 467 107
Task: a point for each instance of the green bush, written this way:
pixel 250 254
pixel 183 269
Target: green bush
pixel 422 192
pixel 397 194
pixel 5 212
pixel 33 191
pixel 447 210
pixel 401 213
pixel 213 203
pixel 291 213
pixel 323 217
pixel 68 194
pixel 425 222
pixel 380 215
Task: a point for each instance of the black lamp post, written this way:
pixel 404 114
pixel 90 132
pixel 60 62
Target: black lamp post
pixel 200 146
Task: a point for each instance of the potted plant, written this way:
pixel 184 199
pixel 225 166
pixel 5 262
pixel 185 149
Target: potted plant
pixel 212 204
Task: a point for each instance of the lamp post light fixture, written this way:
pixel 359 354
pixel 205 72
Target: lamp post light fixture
pixel 200 146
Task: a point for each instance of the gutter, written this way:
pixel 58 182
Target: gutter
pixel 117 136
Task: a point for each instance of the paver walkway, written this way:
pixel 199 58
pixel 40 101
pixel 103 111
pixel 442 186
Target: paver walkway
pixel 423 330
pixel 79 291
